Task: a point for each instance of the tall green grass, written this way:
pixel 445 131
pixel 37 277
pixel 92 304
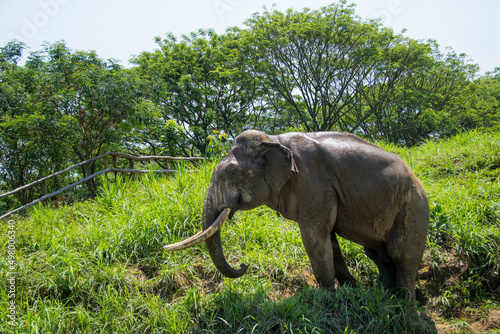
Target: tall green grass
pixel 462 179
pixel 99 266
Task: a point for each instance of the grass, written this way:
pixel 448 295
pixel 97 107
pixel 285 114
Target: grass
pixel 462 179
pixel 99 266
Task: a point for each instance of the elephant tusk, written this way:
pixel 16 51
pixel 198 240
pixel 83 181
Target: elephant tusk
pixel 202 235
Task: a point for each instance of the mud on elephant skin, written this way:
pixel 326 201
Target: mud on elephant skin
pixel 331 184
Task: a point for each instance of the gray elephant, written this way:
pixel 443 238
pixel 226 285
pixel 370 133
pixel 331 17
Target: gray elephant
pixel 331 184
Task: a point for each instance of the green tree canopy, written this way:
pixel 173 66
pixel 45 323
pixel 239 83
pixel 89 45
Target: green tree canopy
pixel 201 84
pixel 309 70
pixel 61 106
pixel 337 72
pixel 32 136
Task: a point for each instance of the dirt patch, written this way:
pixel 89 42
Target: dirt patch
pixel 438 272
pixel 137 275
pixel 442 281
pixel 291 283
pixel 308 278
pixel 488 324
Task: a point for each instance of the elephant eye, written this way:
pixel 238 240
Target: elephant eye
pixel 233 170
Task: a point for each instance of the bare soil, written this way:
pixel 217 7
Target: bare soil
pixel 444 271
pixel 489 324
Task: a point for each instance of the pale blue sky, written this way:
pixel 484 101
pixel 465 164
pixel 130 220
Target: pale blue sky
pixel 119 29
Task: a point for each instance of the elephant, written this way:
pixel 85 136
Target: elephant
pixel 332 184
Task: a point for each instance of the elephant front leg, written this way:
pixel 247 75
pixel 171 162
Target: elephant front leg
pixel 342 273
pixel 318 244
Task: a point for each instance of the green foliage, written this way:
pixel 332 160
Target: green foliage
pixel 100 265
pixel 97 96
pixel 151 134
pixel 417 103
pixel 462 179
pixel 11 53
pixel 59 108
pixel 337 72
pixel 32 137
pixel 478 106
pixel 324 69
pixel 200 81
pixel 218 145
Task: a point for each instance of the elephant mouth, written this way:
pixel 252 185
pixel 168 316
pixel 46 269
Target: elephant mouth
pixel 202 235
pixel 231 213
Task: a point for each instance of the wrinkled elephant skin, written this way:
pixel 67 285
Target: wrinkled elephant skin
pixel 331 184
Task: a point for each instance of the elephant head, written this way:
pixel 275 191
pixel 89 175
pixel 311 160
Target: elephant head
pixel 252 174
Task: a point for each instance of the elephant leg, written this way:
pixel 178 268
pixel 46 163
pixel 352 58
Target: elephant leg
pixel 406 276
pixel 318 245
pixel 406 249
pixel 342 273
pixel 386 267
pixel 407 265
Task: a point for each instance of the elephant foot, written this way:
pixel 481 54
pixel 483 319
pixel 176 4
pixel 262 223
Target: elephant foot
pixel 330 289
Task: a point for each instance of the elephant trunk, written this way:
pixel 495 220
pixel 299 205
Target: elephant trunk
pixel 214 245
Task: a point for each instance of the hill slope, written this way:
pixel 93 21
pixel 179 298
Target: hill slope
pixel 100 265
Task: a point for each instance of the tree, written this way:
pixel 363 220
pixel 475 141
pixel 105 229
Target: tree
pixel 96 96
pixel 30 133
pixel 337 72
pixel 153 135
pixel 201 84
pixel 307 58
pixel 412 107
pixel 477 105
pixel 61 101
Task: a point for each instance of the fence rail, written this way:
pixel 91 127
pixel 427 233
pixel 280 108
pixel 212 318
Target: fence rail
pixel 106 170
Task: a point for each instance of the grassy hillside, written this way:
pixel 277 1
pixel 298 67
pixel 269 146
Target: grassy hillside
pixel 99 266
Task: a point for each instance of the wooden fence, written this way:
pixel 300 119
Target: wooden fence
pixel 115 169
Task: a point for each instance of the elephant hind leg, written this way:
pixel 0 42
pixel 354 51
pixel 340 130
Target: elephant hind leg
pixel 407 260
pixel 406 247
pixel 342 273
pixel 405 281
pixel 386 266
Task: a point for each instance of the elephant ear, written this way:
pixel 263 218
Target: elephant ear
pixel 279 165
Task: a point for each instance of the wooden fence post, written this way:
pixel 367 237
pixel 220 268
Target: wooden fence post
pixel 43 189
pixel 131 166
pixel 167 166
pixel 114 165
pixel 106 167
pixel 90 182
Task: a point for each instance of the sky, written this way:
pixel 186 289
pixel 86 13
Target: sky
pixel 120 29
